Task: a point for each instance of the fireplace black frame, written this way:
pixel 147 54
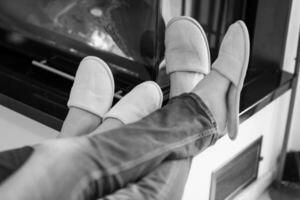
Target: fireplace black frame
pixel 268 22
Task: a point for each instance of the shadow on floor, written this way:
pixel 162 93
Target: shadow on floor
pixel 285 192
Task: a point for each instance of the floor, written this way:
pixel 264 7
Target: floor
pixel 282 193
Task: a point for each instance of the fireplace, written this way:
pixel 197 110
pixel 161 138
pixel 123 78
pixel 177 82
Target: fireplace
pixel 43 41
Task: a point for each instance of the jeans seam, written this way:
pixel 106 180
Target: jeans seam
pixel 132 164
pixel 162 194
pixel 212 131
pixel 204 107
pixel 96 174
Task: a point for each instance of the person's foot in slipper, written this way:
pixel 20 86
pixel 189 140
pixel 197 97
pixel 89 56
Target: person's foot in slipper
pixel 221 89
pixel 141 101
pixel 187 54
pixel 90 98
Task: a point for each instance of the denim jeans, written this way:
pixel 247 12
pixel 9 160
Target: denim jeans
pixel 165 182
pixel 93 166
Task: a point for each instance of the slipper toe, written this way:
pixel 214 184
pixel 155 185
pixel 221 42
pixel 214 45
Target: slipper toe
pixel 142 100
pixel 187 48
pixel 93 87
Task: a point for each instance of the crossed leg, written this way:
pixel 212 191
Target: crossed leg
pixel 105 162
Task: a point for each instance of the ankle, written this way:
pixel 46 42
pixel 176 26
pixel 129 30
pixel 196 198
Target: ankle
pixel 214 84
pixel 213 91
pixel 107 125
pixel 184 82
pixel 79 122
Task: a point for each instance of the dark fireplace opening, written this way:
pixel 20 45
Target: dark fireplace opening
pixel 267 22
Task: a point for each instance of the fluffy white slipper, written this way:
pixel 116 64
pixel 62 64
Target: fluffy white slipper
pixel 142 100
pixel 187 50
pixel 232 63
pixel 93 87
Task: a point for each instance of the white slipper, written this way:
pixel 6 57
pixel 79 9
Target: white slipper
pixel 187 50
pixel 142 100
pixel 93 87
pixel 232 63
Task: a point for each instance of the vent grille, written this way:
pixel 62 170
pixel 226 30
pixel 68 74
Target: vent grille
pixel 236 174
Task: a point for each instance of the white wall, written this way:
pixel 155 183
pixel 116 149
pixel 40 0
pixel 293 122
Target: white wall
pixel 289 63
pixel 269 122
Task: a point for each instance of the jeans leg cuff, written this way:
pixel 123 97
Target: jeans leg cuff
pixel 207 111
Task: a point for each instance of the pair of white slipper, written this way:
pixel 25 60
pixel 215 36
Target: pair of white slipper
pixel 93 91
pixel 187 50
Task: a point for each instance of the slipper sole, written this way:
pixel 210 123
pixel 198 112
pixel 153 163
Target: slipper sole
pixel 161 96
pixel 235 91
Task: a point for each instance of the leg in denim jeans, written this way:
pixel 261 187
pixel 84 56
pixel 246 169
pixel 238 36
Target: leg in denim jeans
pixel 109 161
pixel 105 162
pixel 165 182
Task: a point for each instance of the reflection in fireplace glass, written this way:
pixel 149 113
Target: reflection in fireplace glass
pixel 126 28
pixel 216 15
